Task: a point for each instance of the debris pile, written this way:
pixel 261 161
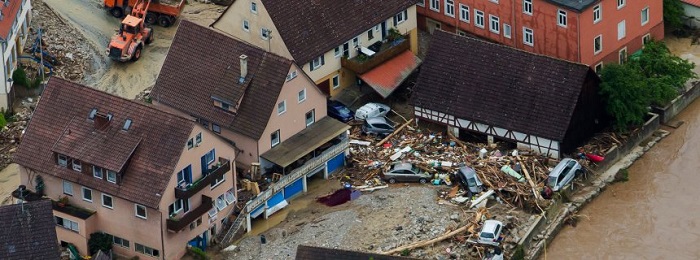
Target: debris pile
pixel 12 133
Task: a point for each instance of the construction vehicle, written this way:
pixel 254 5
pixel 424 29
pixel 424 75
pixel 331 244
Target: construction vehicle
pixel 161 12
pixel 128 43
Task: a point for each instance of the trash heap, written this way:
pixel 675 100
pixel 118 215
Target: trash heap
pixel 11 134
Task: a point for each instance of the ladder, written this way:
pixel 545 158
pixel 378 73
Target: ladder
pixel 233 229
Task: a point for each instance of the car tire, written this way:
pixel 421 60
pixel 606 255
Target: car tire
pixel 392 180
pixel 117 12
pixel 423 181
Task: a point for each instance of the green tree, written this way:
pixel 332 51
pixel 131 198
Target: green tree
pixel 625 91
pixel 673 14
pixel 666 73
pixel 100 241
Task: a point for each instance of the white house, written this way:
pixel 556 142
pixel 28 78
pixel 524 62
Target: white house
pixel 15 16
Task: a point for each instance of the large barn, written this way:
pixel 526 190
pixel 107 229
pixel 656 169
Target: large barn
pixel 540 103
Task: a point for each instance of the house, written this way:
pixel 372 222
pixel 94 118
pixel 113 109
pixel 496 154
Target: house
pixel 155 181
pixel 692 11
pixel 15 17
pixel 28 231
pixel 336 43
pixel 537 102
pixel 322 253
pixel 262 103
pixel 592 32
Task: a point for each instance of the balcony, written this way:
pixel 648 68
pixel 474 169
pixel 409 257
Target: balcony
pixel 178 224
pixel 215 173
pixel 384 52
pixel 69 209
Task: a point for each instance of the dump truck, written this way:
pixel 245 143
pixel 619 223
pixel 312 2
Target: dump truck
pixel 128 43
pixel 161 12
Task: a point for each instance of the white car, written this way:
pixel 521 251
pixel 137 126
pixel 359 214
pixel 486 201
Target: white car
pixel 371 110
pixel 491 232
pixel 564 173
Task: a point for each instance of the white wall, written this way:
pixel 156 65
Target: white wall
pixel 9 52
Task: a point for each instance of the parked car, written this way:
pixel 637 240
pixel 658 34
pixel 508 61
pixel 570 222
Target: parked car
pixel 466 176
pixel 378 125
pixel 406 172
pixel 490 233
pixel 371 110
pixel 563 173
pixel 339 111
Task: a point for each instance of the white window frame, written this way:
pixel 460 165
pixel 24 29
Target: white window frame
pixel 113 173
pixel 561 18
pixel 220 203
pixel 217 182
pixel 67 224
pixel 111 199
pixel 281 107
pixel 198 138
pixel 82 193
pixel 527 7
pixel 69 185
pixel 253 7
pixel 450 8
pixel 122 242
pixel 621 4
pixel 264 33
pixel 599 39
pixel 301 96
pixel 292 75
pixel 646 39
pixel 335 81
pixel 598 67
pixel 316 63
pixel 597 13
pixel 479 16
pixel 313 117
pixel 338 51
pixel 507 30
pixel 146 250
pixel 62 160
pixel 619 55
pixel 400 17
pixel 531 33
pixel 230 197
pixel 98 174
pixel 435 5
pixel 355 42
pixel 464 13
pixel 246 25
pixel 77 165
pixel 494 24
pixel 645 18
pixel 136 211
pixel 621 30
pixel 275 141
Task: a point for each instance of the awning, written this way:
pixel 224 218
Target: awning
pixel 305 141
pixel 387 77
pixel 276 207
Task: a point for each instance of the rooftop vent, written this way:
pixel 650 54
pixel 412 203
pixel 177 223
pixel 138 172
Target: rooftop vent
pixel 92 113
pixel 127 124
pixel 244 67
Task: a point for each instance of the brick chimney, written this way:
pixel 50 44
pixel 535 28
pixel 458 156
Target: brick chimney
pixel 244 67
pixel 101 121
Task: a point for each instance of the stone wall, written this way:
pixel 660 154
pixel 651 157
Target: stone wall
pixel 678 104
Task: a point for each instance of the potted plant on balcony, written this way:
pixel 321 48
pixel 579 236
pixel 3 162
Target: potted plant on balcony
pixel 62 201
pixel 395 37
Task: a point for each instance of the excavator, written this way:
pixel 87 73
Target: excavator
pixel 127 44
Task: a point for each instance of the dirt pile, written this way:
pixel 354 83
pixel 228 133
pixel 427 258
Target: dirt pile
pixel 12 133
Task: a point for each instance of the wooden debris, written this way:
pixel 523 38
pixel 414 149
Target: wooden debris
pixel 429 242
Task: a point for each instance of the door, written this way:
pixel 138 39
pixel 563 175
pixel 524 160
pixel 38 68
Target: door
pixel 336 163
pixel 384 30
pixel 325 87
pixel 293 189
pixel 346 50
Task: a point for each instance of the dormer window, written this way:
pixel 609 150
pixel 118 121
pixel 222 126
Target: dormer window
pixel 111 176
pixel 77 166
pixel 97 172
pixel 109 117
pixel 92 113
pixel 127 124
pixel 225 106
pixel 62 160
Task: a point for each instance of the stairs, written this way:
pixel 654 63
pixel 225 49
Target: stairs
pixel 233 229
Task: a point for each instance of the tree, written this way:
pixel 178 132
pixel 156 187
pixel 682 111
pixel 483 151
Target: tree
pixel 673 14
pixel 100 241
pixel 624 89
pixel 666 74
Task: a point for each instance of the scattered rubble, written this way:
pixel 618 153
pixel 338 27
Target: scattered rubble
pixel 12 133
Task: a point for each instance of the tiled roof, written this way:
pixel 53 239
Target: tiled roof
pixel 61 120
pixel 203 64
pixel 499 85
pixel 577 5
pixel 322 253
pixel 28 231
pixel 9 15
pixel 695 3
pixel 311 28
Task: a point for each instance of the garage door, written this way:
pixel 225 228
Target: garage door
pixel 294 188
pixel 275 203
pixel 336 163
pixel 256 212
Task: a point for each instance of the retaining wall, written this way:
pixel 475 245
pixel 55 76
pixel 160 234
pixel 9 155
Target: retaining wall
pixel 678 104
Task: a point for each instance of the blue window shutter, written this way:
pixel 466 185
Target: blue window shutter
pixel 395 20
pixel 188 173
pixel 203 160
pixel 311 66
pixel 323 60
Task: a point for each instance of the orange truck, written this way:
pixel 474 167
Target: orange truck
pixel 161 12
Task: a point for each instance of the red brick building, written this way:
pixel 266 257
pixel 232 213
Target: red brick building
pixel 593 32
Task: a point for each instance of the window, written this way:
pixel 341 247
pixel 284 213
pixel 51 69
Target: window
pixel 435 5
pixel 203 122
pixel 337 52
pixel 246 26
pixel 120 241
pixel 77 166
pixel 310 117
pixel 597 44
pixel 230 198
pixel 218 181
pixel 495 24
pixel 645 15
pixel 87 194
pixel 253 7
pixel 402 17
pixel 275 138
pixel 292 75
pixel 646 39
pixel 421 3
pixel 67 224
pixel 506 30
pixel 282 107
pixel 623 55
pixel 450 8
pixel 126 125
pixel 301 96
pixel 146 250
pixel 220 203
pixel 598 67
pixel 479 18
pixel 317 62
pixel 178 206
pixel 62 160
pixel 528 37
pixel 209 157
pixel 561 18
pixel 107 201
pixel 464 13
pixel 111 176
pixel 620 4
pixel 597 14
pixel 140 211
pixel 265 33
pixel 216 128
pixel 370 34
pixel 527 7
pixel 355 42
pixel 97 172
pixel 198 138
pixel 335 81
pixel 621 30
pixel 67 188
pixel 185 175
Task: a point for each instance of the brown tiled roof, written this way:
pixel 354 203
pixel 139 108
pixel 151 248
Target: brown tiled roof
pixel 498 85
pixel 322 253
pixel 28 231
pixel 312 28
pixel 203 64
pixel 64 109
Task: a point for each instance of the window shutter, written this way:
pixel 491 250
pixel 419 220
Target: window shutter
pixel 395 20
pixel 323 60
pixel 405 14
pixel 311 66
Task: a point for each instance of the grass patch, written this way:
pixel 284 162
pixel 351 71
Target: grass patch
pixel 622 175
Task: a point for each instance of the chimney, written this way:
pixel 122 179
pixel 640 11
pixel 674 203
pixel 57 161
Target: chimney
pixel 244 67
pixel 101 121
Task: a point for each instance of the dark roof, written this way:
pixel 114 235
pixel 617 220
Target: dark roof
pixel 499 85
pixel 28 231
pixel 576 5
pixel 311 28
pixel 60 123
pixel 322 253
pixel 203 65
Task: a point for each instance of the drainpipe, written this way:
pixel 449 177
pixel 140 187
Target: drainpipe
pixel 578 36
pixel 4 68
pixel 514 27
pixel 162 239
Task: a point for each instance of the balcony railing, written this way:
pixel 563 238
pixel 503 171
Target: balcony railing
pixel 296 174
pixel 189 217
pixel 388 50
pixel 74 211
pixel 214 174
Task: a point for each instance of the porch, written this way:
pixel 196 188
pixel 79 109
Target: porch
pixel 178 224
pixel 216 171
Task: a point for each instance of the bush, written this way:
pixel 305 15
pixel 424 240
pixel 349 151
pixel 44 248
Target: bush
pixel 3 121
pixel 622 175
pixel 198 253
pixel 19 77
pixel 519 253
pixel 100 241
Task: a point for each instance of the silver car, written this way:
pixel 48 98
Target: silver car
pixel 406 172
pixel 563 173
pixel 378 126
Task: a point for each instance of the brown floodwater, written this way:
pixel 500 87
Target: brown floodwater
pixel 655 215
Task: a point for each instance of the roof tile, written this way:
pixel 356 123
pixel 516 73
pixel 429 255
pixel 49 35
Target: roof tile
pixel 28 231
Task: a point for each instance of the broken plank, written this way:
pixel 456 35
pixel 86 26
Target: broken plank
pixel 392 134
